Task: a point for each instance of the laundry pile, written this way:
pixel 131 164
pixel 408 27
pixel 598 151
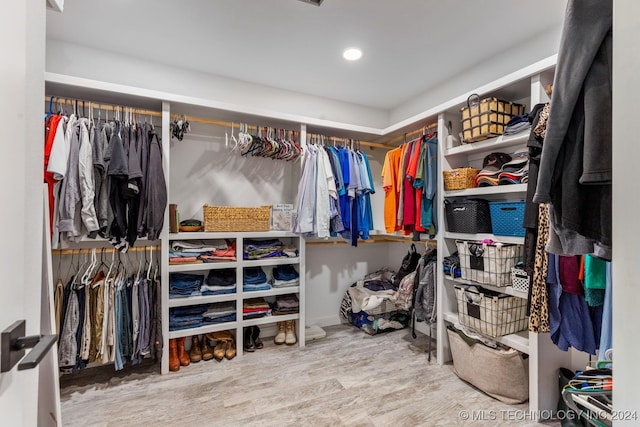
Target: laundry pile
pixel 199 251
pixel 503 169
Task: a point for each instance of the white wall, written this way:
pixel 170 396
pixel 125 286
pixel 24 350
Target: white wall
pixel 204 171
pixel 626 228
pixel 542 46
pixel 89 63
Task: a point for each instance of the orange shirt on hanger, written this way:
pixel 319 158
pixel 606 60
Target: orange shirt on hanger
pixel 391 184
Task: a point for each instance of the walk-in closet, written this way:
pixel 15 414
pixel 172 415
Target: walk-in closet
pixel 319 213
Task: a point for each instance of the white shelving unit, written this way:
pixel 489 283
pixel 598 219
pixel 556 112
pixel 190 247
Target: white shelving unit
pixel 544 357
pixel 237 326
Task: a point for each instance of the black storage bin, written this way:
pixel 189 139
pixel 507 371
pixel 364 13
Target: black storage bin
pixel 468 216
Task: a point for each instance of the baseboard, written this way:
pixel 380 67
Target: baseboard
pixel 324 321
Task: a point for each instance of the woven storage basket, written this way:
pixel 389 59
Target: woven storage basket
pixel 487 118
pixel 230 218
pixel 467 216
pixel 460 178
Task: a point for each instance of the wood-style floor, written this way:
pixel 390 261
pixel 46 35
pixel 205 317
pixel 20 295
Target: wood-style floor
pixel 346 379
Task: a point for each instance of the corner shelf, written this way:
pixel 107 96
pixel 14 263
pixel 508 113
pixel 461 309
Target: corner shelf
pixel 488 191
pixel 518 341
pixel 501 142
pixel 502 239
pixel 502 289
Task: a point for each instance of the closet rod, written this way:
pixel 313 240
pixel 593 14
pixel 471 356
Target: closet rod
pixel 95 105
pixel 331 139
pixel 100 250
pixel 193 119
pixel 409 135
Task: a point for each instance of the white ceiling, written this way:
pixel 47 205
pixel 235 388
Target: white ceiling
pixel 409 46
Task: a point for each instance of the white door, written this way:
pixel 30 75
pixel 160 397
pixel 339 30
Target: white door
pixel 22 41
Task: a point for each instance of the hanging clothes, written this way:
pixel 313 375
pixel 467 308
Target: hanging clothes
pixel 409 178
pixel 334 194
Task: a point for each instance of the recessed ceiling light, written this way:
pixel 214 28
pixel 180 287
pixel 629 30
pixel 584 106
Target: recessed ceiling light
pixel 352 54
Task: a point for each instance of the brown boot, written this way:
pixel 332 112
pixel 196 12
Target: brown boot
pixel 207 351
pixel 195 353
pixel 174 361
pixel 290 332
pixel 182 353
pixel 220 349
pixel 230 351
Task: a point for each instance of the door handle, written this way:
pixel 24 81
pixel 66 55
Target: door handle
pixel 13 343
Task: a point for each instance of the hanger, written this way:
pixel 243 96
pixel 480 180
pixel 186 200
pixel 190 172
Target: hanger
pixel 150 262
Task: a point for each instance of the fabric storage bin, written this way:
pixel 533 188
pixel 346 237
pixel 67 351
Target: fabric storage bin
pixel 491 313
pixel 507 217
pixel 519 279
pixel 488 263
pixel 231 218
pixel 487 118
pixel 502 374
pixel 459 178
pixel 468 216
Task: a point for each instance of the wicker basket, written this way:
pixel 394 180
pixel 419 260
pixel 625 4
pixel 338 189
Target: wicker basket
pixel 460 178
pixel 487 118
pixel 230 218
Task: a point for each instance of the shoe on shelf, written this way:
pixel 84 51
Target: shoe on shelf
pixel 220 336
pixel 281 335
pixel 207 351
pixel 249 344
pixel 255 336
pixel 174 361
pixel 290 332
pixel 195 352
pixel 230 351
pixel 182 353
pixel 220 349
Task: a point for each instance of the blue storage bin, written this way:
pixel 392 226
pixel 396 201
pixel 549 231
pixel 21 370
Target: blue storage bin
pixel 506 218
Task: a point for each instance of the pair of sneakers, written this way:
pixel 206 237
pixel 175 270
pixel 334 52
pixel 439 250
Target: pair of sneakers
pixel 286 333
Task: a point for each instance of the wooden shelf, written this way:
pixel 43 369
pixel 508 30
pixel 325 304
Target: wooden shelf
pixel 203 299
pixel 202 266
pixel 489 191
pixel 503 289
pixel 482 236
pixel 202 235
pixel 494 144
pixel 271 292
pixel 519 340
pixel 203 329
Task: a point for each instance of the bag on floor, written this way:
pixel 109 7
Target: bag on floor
pixel 409 264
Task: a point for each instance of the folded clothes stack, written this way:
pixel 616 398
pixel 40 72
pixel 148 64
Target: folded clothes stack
pixel 515 171
pixel 219 282
pixel 220 313
pixel 255 279
pixel 184 284
pixel 186 317
pixel 199 251
pixel 255 307
pixel 503 169
pixel 517 124
pixel 258 249
pixel 285 276
pixel 286 304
